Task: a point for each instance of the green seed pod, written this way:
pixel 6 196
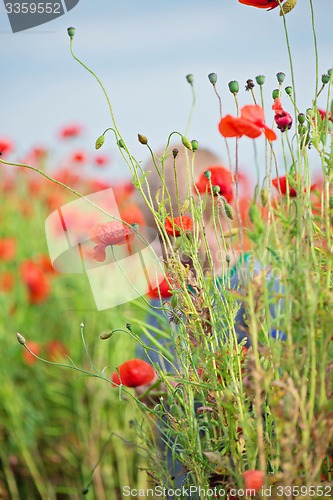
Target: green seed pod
pixel 99 142
pixel 325 79
pixel 275 93
pixel 174 301
pixel 216 189
pixel 121 144
pixel 71 31
pixel 212 77
pixel 189 78
pixel 301 118
pixel 280 77
pixel 208 174
pixel 195 145
pixel 229 211
pixel 186 142
pixel 264 196
pixel 260 79
pixel 288 90
pixel 142 139
pixel 233 87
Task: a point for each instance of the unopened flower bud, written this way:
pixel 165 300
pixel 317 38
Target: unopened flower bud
pixel 329 72
pixel 175 152
pixel 325 79
pixel 289 90
pixel 229 211
pixel 121 144
pixel 233 87
pixel 260 79
pixel 106 335
pixel 142 139
pixel 276 93
pixel 186 142
pixel 301 118
pixel 208 174
pixel 264 196
pixel 212 77
pixel 189 78
pixel 280 77
pixel 254 213
pixel 71 31
pixel 20 339
pixel 195 145
pixel 174 301
pixel 216 189
pixel 310 112
pixel 99 142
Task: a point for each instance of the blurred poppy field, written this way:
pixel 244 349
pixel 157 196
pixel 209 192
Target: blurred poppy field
pixel 220 375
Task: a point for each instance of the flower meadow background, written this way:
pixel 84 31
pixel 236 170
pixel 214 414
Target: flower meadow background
pixel 62 433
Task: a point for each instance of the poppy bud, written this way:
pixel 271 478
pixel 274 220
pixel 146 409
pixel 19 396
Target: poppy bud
pixel 254 213
pixel 189 78
pixel 20 339
pixel 276 94
pixel 175 153
pixel 260 79
pixel 228 210
pixel 142 139
pixel 212 77
pixel 85 490
pixel 174 301
pixel 99 142
pixel 233 87
pixel 121 144
pixel 186 142
pixel 264 196
pixel 301 118
pixel 310 112
pixel 71 31
pixel 228 259
pixel 195 145
pixel 289 90
pixel 280 77
pixel 106 335
pixel 208 174
pixel 325 79
pixel 216 189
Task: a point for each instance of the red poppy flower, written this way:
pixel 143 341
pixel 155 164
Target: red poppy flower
pixel 261 4
pixel 251 123
pixel 132 214
pixel 7 249
pixel 36 282
pixel 280 183
pixel 163 290
pixel 28 358
pixel 6 146
pixel 219 176
pixel 6 281
pixel 70 131
pixel 133 373
pixel 253 479
pixel 56 350
pixel 177 225
pixel 109 233
pixel 282 118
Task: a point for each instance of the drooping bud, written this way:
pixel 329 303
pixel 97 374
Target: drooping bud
pixel 20 339
pixel 121 144
pixel 195 145
pixel 174 301
pixel 260 79
pixel 325 79
pixel 289 90
pixel 99 142
pixel 264 196
pixel 280 77
pixel 233 87
pixel 228 210
pixel 186 142
pixel 142 139
pixel 175 152
pixel 71 31
pixel 208 174
pixel 276 94
pixel 106 335
pixel 189 78
pixel 212 77
pixel 301 118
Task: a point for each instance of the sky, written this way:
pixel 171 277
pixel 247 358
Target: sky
pixel 142 52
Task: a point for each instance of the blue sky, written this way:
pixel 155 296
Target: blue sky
pixel 142 52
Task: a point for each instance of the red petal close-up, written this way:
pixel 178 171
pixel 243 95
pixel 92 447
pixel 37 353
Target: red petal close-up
pixel 261 4
pixel 176 226
pixel 111 233
pixel 36 282
pixel 133 373
pixel 219 176
pixel 251 123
